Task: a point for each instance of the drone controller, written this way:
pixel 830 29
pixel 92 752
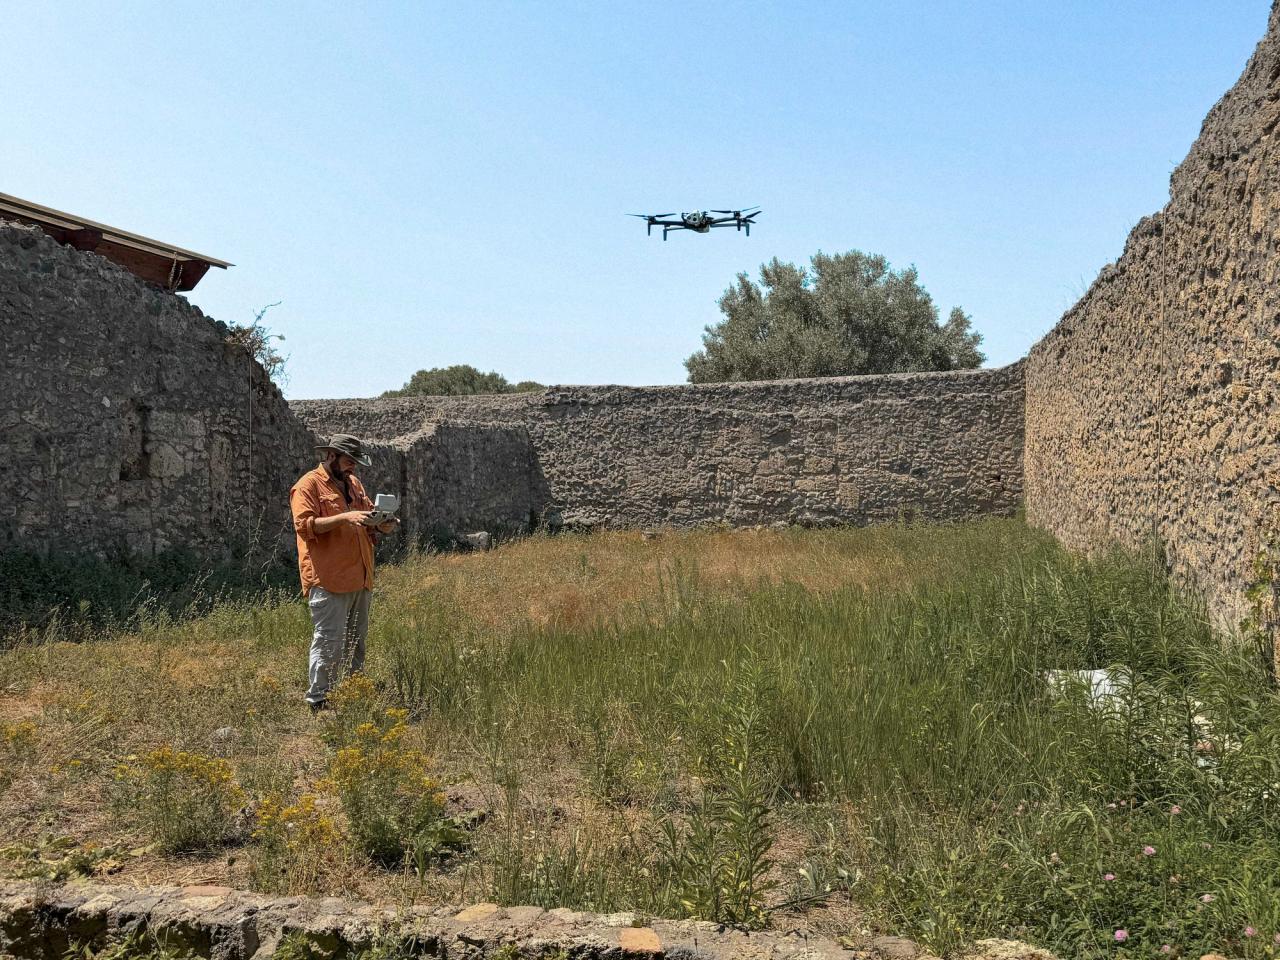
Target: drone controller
pixel 385 506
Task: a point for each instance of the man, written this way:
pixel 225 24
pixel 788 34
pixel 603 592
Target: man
pixel 335 560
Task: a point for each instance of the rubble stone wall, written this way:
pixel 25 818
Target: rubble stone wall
pixel 133 427
pixel 461 477
pixel 1152 411
pixel 454 478
pixel 938 446
pixel 127 422
pixel 45 920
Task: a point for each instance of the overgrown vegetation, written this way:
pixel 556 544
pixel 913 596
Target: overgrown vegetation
pixel 385 787
pixel 182 800
pixel 257 339
pixel 130 946
pixel 70 597
pixel 851 730
pixel 459 380
pixel 844 314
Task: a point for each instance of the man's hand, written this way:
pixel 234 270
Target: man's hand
pixel 388 526
pixel 354 517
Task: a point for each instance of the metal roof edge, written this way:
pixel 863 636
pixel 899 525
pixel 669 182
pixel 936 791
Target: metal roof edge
pixel 111 234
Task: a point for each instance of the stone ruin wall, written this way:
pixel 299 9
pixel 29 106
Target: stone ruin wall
pixel 453 478
pixel 134 427
pixel 129 424
pixel 1152 412
pixel 938 446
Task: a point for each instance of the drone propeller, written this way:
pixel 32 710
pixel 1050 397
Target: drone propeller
pixel 650 216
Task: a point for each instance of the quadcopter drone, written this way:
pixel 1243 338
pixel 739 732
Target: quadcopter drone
pixel 700 221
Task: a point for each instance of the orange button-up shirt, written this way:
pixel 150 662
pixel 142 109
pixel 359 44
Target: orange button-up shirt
pixel 341 558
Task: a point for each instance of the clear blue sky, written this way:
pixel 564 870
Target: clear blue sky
pixel 424 184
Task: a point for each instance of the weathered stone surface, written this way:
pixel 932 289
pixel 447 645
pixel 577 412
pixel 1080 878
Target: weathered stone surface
pixel 480 540
pixel 129 423
pixel 895 948
pixel 1153 408
pixel 938 446
pixel 1005 950
pixel 639 942
pixel 234 925
pixel 481 911
pixel 132 426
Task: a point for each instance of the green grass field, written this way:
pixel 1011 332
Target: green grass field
pixel 844 730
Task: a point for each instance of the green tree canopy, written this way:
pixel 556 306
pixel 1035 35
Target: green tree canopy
pixel 459 380
pixel 848 313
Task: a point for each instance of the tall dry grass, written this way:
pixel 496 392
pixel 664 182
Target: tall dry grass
pixel 911 768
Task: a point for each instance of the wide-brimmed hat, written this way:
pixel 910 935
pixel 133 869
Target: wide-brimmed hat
pixel 351 446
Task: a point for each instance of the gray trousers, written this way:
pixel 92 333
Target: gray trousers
pixel 341 621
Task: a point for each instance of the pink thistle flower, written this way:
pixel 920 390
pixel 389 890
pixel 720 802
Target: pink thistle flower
pixel 1148 851
pixel 1108 877
pixel 1121 936
pixel 1175 809
pixel 1208 898
pixel 1275 938
pixel 1054 858
pixel 1166 949
pixel 1250 932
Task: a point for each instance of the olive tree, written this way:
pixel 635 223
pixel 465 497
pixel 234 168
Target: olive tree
pixel 461 379
pixel 847 313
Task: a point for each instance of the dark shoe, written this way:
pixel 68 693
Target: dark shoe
pixel 318 705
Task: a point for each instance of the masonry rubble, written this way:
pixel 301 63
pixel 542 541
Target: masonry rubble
pixel 856 450
pixel 225 924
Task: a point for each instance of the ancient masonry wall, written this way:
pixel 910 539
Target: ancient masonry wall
pixel 454 478
pixel 132 426
pixel 127 423
pixel 939 446
pixel 1152 413
pixel 39 920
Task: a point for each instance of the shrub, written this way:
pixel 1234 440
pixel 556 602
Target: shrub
pixel 17 746
pixel 65 596
pixel 392 804
pixel 720 862
pixel 182 800
pixel 294 842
